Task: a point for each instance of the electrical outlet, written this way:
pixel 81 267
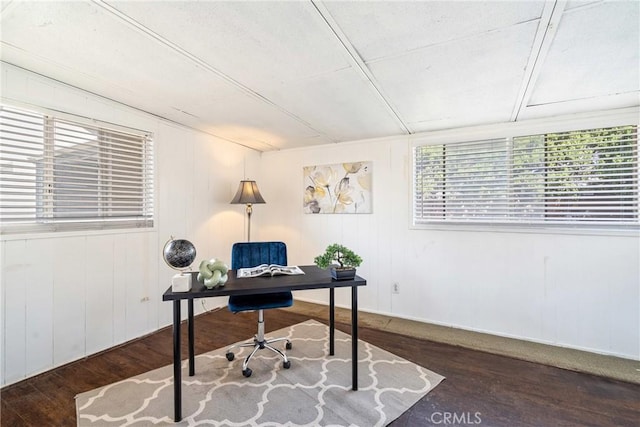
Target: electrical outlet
pixel 144 299
pixel 395 288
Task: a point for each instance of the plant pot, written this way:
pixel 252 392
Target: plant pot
pixel 346 273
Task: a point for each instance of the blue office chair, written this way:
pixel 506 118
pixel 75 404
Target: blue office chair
pixel 251 254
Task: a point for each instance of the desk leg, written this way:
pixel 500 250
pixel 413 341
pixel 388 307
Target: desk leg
pixel 177 372
pixel 354 337
pixel 192 364
pixel 332 326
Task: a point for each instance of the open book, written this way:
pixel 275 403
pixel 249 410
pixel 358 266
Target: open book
pixel 270 270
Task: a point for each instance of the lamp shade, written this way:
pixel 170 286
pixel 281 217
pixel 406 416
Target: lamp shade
pixel 247 193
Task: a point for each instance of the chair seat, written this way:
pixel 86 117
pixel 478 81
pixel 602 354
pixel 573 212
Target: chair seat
pixel 260 302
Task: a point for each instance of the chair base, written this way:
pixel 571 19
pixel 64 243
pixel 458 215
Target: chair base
pixel 259 342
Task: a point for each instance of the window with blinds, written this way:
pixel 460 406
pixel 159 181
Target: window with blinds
pixel 57 174
pixel 576 178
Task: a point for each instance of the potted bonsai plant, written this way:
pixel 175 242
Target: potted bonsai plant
pixel 347 261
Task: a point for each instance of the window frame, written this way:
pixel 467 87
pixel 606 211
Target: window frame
pixel 42 223
pixel 576 122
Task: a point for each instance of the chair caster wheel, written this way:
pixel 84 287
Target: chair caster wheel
pixel 230 356
pixel 247 372
pixel 288 346
pixel 287 364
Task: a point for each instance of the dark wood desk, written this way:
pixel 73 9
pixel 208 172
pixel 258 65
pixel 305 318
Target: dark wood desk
pixel 314 278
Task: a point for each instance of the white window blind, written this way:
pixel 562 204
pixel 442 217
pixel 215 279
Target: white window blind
pixel 57 174
pixel 583 178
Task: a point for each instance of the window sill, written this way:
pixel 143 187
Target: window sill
pixel 530 229
pixel 75 233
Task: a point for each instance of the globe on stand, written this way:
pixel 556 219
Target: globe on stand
pixel 179 254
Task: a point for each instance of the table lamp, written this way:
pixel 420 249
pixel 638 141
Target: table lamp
pixel 247 194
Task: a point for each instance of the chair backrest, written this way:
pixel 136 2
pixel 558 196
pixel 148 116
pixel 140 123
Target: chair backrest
pixel 250 254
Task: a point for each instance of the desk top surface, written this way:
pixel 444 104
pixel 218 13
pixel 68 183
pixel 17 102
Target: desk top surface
pixel 314 278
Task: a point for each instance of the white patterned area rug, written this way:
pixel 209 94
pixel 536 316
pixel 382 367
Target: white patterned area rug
pixel 315 391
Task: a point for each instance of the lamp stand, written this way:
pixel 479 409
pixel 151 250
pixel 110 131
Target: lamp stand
pixel 249 211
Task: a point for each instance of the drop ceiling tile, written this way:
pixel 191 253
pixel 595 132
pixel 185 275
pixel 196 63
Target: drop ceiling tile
pixel 86 45
pixel 242 115
pixel 381 29
pixel 572 4
pixel 259 44
pixel 341 104
pixel 596 52
pixel 466 81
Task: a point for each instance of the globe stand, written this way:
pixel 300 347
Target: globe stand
pixel 181 282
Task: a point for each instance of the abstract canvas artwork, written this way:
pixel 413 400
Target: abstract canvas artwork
pixel 338 188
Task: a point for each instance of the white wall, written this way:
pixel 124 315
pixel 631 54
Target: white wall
pixel 68 295
pixel 580 291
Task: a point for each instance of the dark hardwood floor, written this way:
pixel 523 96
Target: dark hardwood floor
pixel 480 388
